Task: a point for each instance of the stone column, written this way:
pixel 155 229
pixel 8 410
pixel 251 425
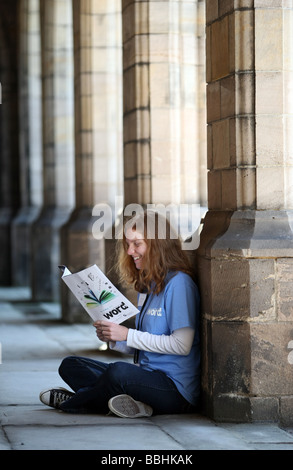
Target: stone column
pixel 30 132
pixel 9 151
pixel 164 102
pixel 58 146
pixel 98 135
pixel 245 259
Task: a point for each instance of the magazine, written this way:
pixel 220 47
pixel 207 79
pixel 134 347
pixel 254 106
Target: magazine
pixel 98 296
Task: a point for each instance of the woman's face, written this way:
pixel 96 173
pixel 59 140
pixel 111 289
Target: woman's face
pixel 137 247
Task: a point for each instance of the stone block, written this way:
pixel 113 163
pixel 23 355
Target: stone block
pixel 209 147
pixel 46 246
pixel 249 293
pixel 270 187
pixel 228 96
pixel 85 25
pixel 102 7
pixel 220 48
pixel 284 294
pixel 268 47
pixel 163 90
pixel 215 182
pixel 136 51
pixel 269 140
pixel 189 18
pixel 135 19
pixel 213 101
pixel 159 50
pixel 242 141
pixel 204 268
pixel 269 92
pixel 209 76
pixel 231 408
pixel 230 301
pixel 286 411
pixel 164 124
pixel 262 289
pixel 272 3
pixel 165 188
pixel 245 184
pixel 287 36
pixel 229 189
pixel 130 160
pixel 163 17
pixel 86 115
pixel 221 144
pixel 241 30
pixel 144 190
pixel 245 92
pixel 212 10
pixel 230 5
pixel 136 126
pixel 162 158
pixel 143 158
pixel 271 371
pixel 191 51
pixel 230 344
pixel 136 88
pixel 264 409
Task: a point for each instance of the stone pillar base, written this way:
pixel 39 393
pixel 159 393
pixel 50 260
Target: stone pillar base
pixel 79 250
pixel 46 254
pixel 21 242
pixel 245 267
pixel 6 217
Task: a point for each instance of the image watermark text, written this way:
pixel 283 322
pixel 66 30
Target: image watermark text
pixel 184 219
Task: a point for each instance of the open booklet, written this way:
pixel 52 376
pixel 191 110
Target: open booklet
pixel 98 296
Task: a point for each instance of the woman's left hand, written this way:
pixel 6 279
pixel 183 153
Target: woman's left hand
pixel 108 331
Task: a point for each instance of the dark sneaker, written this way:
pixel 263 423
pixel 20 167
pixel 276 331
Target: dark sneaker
pixel 55 397
pixel 126 407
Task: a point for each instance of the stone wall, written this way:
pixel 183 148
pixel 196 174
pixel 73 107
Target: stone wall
pixel 245 257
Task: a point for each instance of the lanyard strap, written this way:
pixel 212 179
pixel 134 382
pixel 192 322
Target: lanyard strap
pixel 139 325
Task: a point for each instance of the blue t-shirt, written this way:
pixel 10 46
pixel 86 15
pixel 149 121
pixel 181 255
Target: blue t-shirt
pixel 177 306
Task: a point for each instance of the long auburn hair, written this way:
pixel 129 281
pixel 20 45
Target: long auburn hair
pixel 164 253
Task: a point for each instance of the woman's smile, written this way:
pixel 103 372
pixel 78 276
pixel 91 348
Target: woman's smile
pixel 136 247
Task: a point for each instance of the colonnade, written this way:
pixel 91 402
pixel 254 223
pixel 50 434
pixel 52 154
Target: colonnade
pixel 160 102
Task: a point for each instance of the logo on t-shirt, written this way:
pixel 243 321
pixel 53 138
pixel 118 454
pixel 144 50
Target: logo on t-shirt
pixel 155 312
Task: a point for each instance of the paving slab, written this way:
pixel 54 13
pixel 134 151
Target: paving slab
pixel 126 436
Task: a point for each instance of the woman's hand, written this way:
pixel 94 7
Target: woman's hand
pixel 108 331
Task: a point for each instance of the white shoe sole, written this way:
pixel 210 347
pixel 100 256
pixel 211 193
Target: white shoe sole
pixel 125 406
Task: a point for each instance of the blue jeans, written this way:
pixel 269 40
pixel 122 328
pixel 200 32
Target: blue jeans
pixel 96 382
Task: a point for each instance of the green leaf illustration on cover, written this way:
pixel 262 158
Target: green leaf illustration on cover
pixel 104 297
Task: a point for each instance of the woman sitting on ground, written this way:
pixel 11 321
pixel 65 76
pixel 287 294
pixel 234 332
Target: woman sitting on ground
pixel 165 376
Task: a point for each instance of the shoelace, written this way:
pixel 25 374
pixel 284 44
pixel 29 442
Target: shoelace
pixel 59 397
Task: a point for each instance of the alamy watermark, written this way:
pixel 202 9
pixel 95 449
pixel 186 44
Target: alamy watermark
pixel 0 93
pixel 185 220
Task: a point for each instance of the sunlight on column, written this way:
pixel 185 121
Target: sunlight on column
pixel 288 106
pixel 35 103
